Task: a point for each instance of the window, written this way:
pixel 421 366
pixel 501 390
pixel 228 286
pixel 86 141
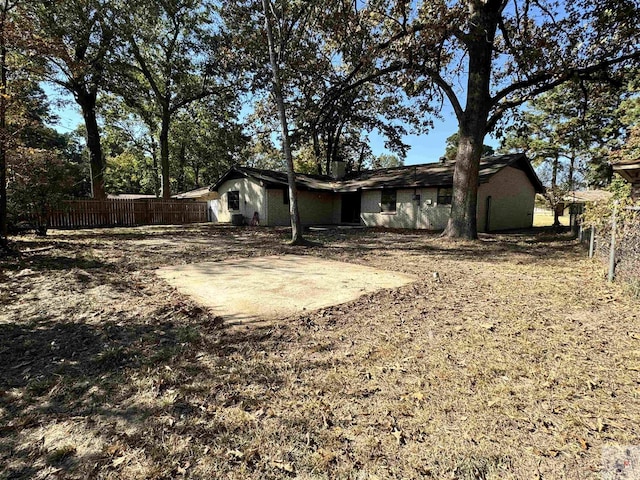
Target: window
pixel 285 196
pixel 444 196
pixel 388 201
pixel 233 200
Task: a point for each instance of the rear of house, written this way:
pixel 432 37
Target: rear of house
pixel 413 197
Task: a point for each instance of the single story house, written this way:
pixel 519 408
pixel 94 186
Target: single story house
pixel 413 196
pixel 630 171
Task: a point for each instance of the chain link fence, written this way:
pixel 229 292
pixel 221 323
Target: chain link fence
pixel 619 248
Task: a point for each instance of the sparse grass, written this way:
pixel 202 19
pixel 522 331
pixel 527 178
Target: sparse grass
pixel 519 363
pixel 546 220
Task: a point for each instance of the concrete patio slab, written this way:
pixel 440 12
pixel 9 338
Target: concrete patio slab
pixel 261 288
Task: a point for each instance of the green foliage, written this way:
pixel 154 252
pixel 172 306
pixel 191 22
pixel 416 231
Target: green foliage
pixel 39 180
pixel 620 188
pixel 451 149
pixel 386 160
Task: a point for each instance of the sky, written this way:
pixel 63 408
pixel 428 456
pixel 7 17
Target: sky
pixel 426 148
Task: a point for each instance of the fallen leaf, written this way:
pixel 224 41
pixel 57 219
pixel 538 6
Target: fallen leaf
pixel 418 396
pixel 285 466
pixel 399 436
pixel 235 453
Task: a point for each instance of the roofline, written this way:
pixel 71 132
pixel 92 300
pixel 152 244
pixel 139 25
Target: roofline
pixel 334 185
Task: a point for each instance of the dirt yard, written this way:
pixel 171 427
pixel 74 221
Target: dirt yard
pixel 516 361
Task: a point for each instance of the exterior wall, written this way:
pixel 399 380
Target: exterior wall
pixel 314 207
pixel 409 214
pixel 512 201
pixel 252 199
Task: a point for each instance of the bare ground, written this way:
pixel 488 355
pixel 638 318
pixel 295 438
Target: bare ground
pixel 520 362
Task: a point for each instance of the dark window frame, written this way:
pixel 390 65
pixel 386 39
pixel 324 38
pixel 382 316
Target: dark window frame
pixel 445 195
pixel 233 200
pixel 389 200
pixel 285 196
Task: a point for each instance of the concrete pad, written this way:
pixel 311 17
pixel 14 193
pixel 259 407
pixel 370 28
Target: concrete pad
pixel 277 286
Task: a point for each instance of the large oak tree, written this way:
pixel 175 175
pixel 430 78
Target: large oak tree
pixel 487 57
pixel 76 38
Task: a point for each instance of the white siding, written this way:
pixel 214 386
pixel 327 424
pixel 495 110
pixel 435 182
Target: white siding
pixel 252 199
pixel 409 213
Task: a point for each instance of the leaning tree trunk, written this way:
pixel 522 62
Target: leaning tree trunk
pixel 87 102
pixel 164 153
pixel 296 226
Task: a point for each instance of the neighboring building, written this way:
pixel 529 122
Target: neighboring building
pixel 630 171
pixel 203 194
pixel 574 201
pixel 415 196
pixel 130 196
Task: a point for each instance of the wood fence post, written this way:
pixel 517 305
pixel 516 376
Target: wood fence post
pixel 612 248
pixel 592 241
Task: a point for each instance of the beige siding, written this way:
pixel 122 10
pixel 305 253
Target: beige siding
pixel 512 201
pixel 318 207
pixel 252 199
pixel 314 207
pixel 409 214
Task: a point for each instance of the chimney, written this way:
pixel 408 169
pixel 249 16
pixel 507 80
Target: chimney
pixel 338 169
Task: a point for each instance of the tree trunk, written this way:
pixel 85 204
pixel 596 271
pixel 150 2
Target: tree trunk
pixel 473 122
pixel 316 151
pixel 296 226
pixel 554 190
pixel 4 240
pixel 154 166
pixel 87 102
pixel 180 180
pixel 464 202
pixel 164 153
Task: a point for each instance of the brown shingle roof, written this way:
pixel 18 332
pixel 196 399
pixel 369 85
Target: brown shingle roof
pixel 409 176
pixel 587 196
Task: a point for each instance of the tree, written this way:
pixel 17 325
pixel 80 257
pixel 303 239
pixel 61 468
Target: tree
pixel 39 180
pixel 567 131
pixel 5 33
pixel 451 150
pixel 275 57
pixel 76 40
pixel 326 119
pixel 502 53
pixel 206 141
pixel 385 160
pixel 177 59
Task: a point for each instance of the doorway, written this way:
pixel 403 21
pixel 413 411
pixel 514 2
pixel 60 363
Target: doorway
pixel 350 207
pixel 487 221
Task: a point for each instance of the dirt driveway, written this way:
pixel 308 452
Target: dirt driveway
pixel 520 362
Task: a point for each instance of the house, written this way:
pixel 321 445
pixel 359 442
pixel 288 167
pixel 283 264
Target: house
pixel 203 194
pixel 414 196
pixel 630 171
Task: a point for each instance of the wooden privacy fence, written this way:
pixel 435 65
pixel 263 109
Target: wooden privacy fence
pixel 117 213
